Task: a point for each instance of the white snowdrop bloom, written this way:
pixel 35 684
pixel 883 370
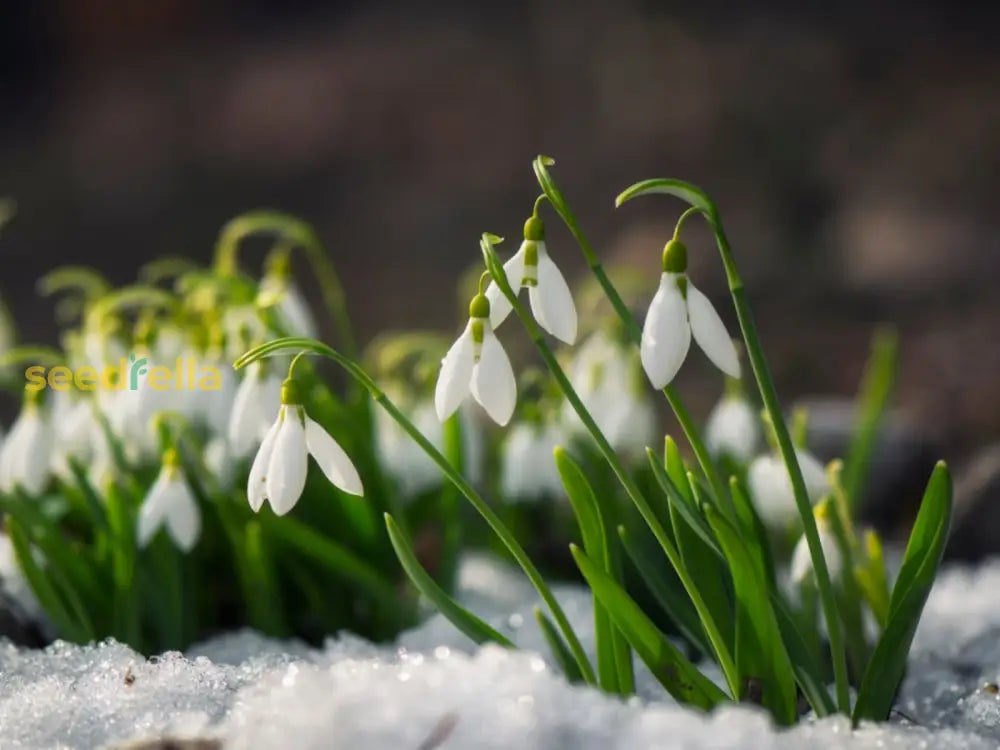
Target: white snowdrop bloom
pixel 255 402
pixel 527 467
pixel 476 362
pixel 219 462
pixel 242 326
pixel 103 470
pixel 733 428
pixel 802 563
pixel 278 473
pixel 607 377
pixel 26 456
pixel 549 294
pixel 678 312
pixel 279 291
pixel 170 503
pixel 101 348
pixel 214 406
pixel 771 487
pixel 411 468
pixel 76 430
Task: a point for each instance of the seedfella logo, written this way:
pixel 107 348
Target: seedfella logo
pixel 186 375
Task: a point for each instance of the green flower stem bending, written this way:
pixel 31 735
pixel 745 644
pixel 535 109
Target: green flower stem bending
pixel 280 346
pixel 301 234
pixel 698 199
pixel 535 334
pixel 628 320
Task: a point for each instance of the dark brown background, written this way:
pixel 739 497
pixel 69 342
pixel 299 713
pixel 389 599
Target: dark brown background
pixel 855 155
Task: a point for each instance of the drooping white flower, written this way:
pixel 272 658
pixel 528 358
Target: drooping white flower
pixel 678 312
pixel 278 473
pixel 278 290
pixel 527 467
pixel 170 503
pixel 476 362
pixel 802 563
pixel 771 487
pixel 26 456
pixel 76 430
pixel 215 406
pixel 219 462
pixel 733 428
pixel 257 399
pixel 606 375
pixel 548 292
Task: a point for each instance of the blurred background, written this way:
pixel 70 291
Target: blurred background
pixel 854 152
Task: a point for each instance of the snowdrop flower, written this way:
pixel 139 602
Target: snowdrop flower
pixel 26 456
pixel 170 503
pixel 476 362
pixel 606 376
pixel 802 563
pixel 278 473
pixel 678 312
pixel 76 430
pixel 771 486
pixel 219 462
pixel 548 292
pixel 733 428
pixel 214 407
pixel 527 467
pixel 257 398
pixel 277 289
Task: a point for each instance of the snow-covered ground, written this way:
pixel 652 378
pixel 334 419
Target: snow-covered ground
pixel 435 689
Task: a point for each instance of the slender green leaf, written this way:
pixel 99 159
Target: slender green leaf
pixel 557 646
pixel 664 585
pixel 760 650
pixel 808 671
pixel 679 503
pixel 916 577
pixel 678 675
pixel 457 615
pixel 753 530
pixel 595 542
pixel 265 605
pixel 873 399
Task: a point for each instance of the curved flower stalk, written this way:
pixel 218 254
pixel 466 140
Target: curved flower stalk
pixel 771 486
pixel 26 455
pixel 477 363
pixel 170 503
pixel 278 473
pixel 678 312
pixel 257 399
pixel 607 376
pixel 527 468
pixel 733 428
pixel 549 294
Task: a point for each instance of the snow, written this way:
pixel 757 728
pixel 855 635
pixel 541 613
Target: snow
pixel 434 688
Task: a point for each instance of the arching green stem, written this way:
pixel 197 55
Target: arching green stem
pixel 283 346
pixel 629 322
pixel 632 490
pixel 301 235
pixel 698 199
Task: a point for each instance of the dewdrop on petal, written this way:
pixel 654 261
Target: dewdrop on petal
pixel 477 363
pixel 678 312
pixel 733 428
pixel 170 503
pixel 26 456
pixel 771 487
pixel 549 294
pixel 278 474
pixel 802 563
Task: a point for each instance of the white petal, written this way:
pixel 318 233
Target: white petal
pixel 257 483
pixel 183 517
pixel 456 372
pixel 813 474
pixel 710 332
pixel 153 509
pixel 666 335
pixel 733 429
pixel 500 306
pixel 772 491
pixel 551 300
pixel 493 382
pixel 31 464
pixel 295 313
pixel 332 459
pixel 802 564
pixel 242 424
pixel 286 471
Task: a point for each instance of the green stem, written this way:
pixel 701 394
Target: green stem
pixel 697 198
pixel 483 508
pixel 536 336
pixel 632 328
